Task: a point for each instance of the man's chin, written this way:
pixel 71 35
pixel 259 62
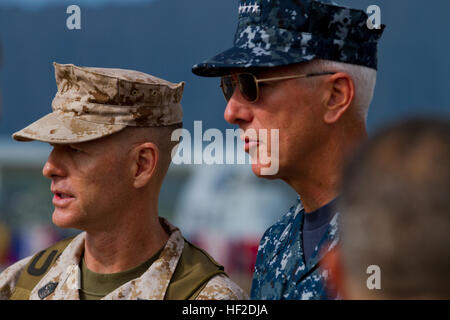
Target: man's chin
pixel 264 171
pixel 64 218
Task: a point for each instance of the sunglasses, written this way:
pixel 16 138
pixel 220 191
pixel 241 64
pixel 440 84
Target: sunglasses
pixel 249 85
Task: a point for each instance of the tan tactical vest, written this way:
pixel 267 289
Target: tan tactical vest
pixel 195 268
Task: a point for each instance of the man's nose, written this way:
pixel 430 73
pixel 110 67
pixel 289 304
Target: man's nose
pixel 238 110
pixel 53 167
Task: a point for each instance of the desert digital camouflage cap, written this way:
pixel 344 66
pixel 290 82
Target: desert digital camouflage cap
pixel 281 32
pixel 95 102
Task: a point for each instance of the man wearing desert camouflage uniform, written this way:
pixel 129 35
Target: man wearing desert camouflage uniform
pixel 110 130
pixel 307 69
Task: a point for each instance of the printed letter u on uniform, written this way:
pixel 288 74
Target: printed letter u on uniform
pixel 34 271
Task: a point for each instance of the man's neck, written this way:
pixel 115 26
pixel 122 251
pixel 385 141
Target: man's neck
pixel 317 180
pixel 318 191
pixel 125 244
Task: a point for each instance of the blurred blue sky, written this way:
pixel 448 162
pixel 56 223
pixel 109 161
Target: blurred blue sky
pixel 33 4
pixel 165 38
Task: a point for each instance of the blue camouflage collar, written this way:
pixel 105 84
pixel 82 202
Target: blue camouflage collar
pixel 294 229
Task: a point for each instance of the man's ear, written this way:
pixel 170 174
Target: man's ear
pixel 335 281
pixel 340 96
pixel 145 160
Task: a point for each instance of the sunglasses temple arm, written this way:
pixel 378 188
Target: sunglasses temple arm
pixel 280 78
pixel 294 77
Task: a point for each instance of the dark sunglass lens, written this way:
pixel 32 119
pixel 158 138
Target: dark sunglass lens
pixel 248 86
pixel 227 85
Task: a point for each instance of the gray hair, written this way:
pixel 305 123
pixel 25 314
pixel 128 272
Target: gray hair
pixel 364 79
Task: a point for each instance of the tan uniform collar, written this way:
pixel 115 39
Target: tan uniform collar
pixel 152 285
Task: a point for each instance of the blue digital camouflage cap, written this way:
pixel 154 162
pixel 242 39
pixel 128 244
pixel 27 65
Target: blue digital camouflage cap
pixel 281 32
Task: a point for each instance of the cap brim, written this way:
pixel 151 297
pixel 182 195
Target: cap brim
pixel 236 57
pixel 54 128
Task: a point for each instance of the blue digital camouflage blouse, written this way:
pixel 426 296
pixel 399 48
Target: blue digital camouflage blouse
pixel 281 272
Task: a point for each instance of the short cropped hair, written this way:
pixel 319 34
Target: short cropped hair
pixel 395 211
pixel 162 138
pixel 364 79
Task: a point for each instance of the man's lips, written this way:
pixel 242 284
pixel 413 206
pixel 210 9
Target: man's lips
pixel 61 198
pixel 249 143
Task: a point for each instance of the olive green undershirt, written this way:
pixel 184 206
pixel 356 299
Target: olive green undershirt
pixel 95 286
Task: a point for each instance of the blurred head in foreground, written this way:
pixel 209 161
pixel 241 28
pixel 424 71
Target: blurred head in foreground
pixel 395 208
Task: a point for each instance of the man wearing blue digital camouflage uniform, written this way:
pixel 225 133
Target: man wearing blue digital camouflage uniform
pixel 308 70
